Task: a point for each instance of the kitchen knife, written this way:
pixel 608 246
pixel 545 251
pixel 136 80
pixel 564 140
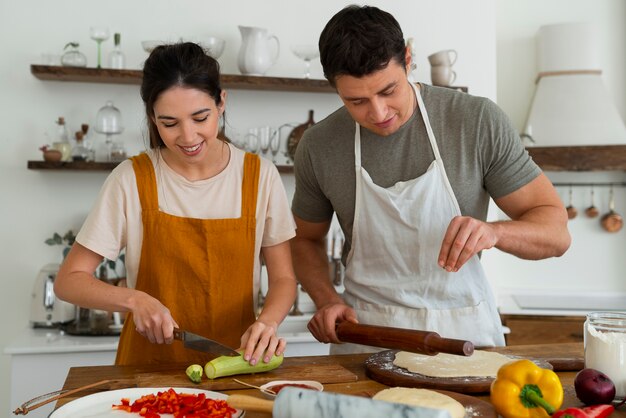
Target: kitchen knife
pixel 304 403
pixel 200 343
pixel 414 341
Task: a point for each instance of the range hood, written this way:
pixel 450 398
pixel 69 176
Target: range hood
pixel 571 106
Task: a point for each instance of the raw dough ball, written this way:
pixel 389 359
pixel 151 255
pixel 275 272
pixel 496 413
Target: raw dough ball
pixel 422 397
pixel 479 364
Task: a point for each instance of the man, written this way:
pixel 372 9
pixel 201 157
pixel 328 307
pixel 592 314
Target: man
pixel 411 193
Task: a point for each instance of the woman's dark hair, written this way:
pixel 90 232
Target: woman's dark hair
pixel 182 64
pixel 360 40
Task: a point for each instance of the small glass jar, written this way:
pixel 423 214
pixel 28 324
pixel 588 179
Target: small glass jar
pixel 73 57
pixel 605 347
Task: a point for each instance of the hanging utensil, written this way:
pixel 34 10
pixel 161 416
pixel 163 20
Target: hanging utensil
pixel 571 210
pixel 612 221
pixel 592 211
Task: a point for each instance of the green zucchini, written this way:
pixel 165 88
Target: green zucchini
pixel 194 373
pixel 229 366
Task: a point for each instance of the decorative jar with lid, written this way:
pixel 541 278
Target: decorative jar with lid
pixel 73 57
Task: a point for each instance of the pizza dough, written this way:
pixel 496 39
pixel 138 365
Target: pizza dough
pixel 479 364
pixel 422 397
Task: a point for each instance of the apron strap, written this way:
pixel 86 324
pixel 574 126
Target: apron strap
pixel 250 184
pixel 146 182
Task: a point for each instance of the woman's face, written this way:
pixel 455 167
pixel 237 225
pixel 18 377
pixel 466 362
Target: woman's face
pixel 187 120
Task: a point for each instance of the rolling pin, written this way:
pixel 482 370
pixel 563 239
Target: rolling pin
pixel 421 342
pixel 304 403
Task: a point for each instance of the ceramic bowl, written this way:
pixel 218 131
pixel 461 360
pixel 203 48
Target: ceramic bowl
pixel 149 46
pixel 277 385
pixel 213 46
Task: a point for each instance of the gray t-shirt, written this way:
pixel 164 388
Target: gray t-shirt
pixel 481 151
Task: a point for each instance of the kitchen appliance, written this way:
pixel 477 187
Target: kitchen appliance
pixel 570 105
pixel 46 310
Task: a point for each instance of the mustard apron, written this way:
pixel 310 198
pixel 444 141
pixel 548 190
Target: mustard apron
pixel 200 269
pixel 392 277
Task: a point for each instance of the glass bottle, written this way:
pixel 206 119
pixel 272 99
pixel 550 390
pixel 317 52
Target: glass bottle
pixel 88 142
pixel 62 140
pixel 116 56
pixel 73 57
pixel 80 152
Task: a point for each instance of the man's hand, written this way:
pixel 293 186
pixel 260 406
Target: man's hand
pixel 322 325
pixel 465 238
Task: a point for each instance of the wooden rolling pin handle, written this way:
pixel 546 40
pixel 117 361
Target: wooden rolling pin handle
pixel 423 342
pixel 250 403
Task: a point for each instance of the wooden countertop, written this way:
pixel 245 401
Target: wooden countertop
pixel 125 375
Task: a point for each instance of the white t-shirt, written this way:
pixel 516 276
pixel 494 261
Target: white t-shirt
pixel 114 222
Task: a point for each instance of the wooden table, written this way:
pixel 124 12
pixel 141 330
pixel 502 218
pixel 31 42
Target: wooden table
pixel 80 376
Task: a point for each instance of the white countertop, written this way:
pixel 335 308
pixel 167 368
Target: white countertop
pixel 558 302
pixel 44 341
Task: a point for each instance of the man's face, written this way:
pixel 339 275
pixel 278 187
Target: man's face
pixel 381 102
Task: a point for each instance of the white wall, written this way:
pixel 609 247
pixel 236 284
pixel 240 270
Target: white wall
pixel 34 204
pixel 595 261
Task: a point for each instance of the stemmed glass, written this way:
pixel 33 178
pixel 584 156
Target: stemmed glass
pixel 307 53
pixel 264 138
pixel 252 140
pixel 99 34
pixel 275 145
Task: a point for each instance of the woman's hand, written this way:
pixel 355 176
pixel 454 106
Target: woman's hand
pixel 152 319
pixel 260 341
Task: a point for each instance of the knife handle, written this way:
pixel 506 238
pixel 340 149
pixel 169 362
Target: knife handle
pixel 250 403
pixel 179 335
pixel 422 342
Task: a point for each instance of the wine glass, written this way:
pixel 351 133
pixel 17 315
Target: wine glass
pixel 264 139
pixel 99 34
pixel 275 144
pixel 307 53
pixel 252 140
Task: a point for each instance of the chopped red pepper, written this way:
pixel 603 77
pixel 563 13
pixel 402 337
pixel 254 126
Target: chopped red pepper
pixel 570 413
pixel 599 411
pixel 181 405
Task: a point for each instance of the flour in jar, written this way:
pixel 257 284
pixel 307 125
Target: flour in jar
pixel 479 364
pixel 606 352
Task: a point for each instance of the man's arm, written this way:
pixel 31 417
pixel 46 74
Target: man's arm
pixel 310 263
pixel 537 229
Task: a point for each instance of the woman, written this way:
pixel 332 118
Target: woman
pixel 194 214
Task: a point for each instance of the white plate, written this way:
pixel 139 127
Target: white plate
pixel 99 405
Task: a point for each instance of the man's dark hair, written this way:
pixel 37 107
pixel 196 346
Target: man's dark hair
pixel 360 40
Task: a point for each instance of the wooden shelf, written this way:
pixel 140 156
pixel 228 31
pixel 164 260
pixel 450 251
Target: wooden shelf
pixel 580 158
pixel 229 81
pixel 98 166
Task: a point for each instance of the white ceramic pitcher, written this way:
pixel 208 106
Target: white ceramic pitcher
pixel 255 56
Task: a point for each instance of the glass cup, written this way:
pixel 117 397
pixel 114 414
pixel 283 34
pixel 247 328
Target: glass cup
pixel 605 347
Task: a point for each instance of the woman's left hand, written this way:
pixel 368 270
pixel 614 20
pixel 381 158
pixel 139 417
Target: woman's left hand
pixel 260 343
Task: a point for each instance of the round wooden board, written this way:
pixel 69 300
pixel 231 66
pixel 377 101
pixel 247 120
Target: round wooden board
pixel 380 367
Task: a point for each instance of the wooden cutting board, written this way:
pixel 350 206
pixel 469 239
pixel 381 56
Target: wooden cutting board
pixel 380 367
pixel 323 373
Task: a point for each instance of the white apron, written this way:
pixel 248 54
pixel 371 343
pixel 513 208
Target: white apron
pixel 392 277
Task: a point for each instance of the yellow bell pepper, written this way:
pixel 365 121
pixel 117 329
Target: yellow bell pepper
pixel 524 390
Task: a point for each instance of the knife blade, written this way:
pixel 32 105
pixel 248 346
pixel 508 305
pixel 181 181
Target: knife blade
pixel 200 343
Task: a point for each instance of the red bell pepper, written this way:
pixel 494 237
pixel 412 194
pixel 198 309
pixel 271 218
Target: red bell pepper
pixel 570 413
pixel 599 411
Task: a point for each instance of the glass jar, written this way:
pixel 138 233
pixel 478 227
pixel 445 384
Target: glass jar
pixel 73 57
pixel 80 152
pixel 605 347
pixel 61 139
